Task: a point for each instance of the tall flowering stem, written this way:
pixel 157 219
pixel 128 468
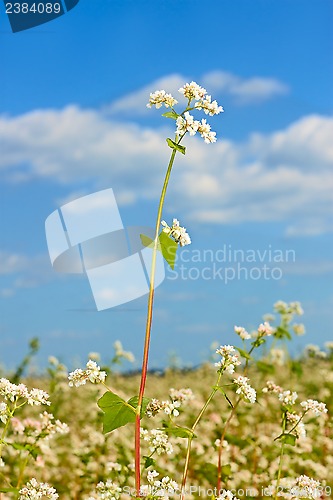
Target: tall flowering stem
pixel 148 324
pixel 197 99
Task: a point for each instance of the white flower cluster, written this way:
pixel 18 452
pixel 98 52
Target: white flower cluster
pixel 313 351
pixel 272 387
pixel 158 441
pixel 12 392
pixel 291 308
pixel 288 397
pixel 306 487
pixel 106 491
pixel 229 359
pixel 187 123
pixel 226 495
pixel 46 426
pixel 177 396
pixel 4 412
pixel 92 373
pixel 177 232
pixel 299 329
pixel 159 488
pixel 265 329
pixel 171 407
pixel 154 407
pixel 244 335
pixel 244 389
pixel 294 419
pixel 181 395
pixel 315 406
pixel 193 91
pixel 34 490
pixel 120 353
pixel 159 98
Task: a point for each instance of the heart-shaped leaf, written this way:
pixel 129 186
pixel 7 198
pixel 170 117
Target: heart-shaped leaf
pixel 117 411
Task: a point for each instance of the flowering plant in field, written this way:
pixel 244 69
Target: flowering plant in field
pixel 235 445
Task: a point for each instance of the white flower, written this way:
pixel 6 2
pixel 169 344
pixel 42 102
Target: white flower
pixel 158 441
pixel 226 495
pixel 154 407
pixel 177 232
pixel 305 487
pixel 265 329
pixel 288 397
pixel 38 397
pixel 11 392
pixel 151 475
pixel 272 387
pixel 181 395
pixel 205 132
pixel 34 490
pixel 193 91
pixel 159 98
pixel 245 389
pixel 93 373
pixel 170 408
pixel 299 328
pixel 187 123
pixel 294 419
pixel 229 359
pixel 3 412
pixel 209 107
pixel 315 406
pixel 244 335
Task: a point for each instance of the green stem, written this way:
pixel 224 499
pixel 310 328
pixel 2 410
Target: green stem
pixel 219 465
pixel 197 420
pixel 284 424
pixel 149 323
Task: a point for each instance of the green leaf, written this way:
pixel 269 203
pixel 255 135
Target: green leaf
pixel 171 114
pixel 168 248
pixel 146 241
pixel 117 411
pixel 181 432
pixel 33 450
pixel 281 333
pixel 9 490
pixel 288 439
pixel 149 461
pixel 243 353
pixel 177 147
pixel 226 471
pixel 265 367
pixel 134 402
pixel 296 367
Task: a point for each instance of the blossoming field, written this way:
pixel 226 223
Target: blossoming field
pixel 53 445
pixel 252 422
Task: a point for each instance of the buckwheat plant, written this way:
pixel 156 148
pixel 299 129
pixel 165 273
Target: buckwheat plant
pixel 158 451
pixel 27 435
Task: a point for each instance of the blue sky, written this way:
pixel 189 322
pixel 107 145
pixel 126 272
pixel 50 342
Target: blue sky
pixel 73 121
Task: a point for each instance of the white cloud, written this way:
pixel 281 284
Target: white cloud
pixel 22 271
pixel 245 90
pixel 281 176
pixel 136 102
pixel 12 263
pixel 218 83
